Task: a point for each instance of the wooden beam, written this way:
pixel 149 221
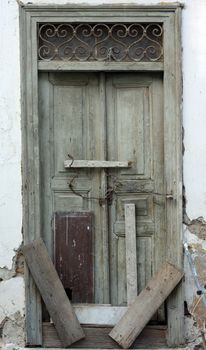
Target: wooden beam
pixel 97 338
pixel 68 66
pixel 52 292
pixel 145 305
pixel 96 164
pixel 131 252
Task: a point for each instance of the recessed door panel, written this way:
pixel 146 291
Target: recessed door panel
pixel 128 103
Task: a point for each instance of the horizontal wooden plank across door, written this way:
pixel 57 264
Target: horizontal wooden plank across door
pixel 152 337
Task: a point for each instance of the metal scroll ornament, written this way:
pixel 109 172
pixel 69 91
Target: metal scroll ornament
pixel 100 42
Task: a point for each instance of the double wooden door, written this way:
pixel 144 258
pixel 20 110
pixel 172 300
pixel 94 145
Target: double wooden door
pixel 104 117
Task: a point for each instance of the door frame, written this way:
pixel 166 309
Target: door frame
pixel 170 16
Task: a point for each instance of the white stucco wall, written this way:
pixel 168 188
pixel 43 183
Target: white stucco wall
pixel 12 299
pixel 194 112
pixel 10 133
pixel 194 116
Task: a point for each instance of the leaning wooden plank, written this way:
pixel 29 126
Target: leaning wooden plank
pixel 145 305
pixel 52 292
pixel 96 164
pixel 131 252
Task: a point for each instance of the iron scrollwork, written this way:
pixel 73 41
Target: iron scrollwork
pixel 101 42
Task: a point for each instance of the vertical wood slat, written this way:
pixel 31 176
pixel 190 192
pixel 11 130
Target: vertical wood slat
pixel 103 189
pixel 147 302
pixel 131 252
pixel 173 170
pixel 74 254
pixel 52 292
pixel 30 170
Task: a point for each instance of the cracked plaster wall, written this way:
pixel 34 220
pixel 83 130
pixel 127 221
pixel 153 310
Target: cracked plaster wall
pixel 194 97
pixel 11 279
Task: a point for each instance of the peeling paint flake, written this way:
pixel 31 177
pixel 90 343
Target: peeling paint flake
pixel 198 227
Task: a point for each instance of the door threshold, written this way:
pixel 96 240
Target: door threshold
pixel 152 337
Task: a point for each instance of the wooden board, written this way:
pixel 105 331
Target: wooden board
pixel 74 254
pixel 131 252
pixel 95 164
pixel 152 337
pixel 145 305
pixel 52 292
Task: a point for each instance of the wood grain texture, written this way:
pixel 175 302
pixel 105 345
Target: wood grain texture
pixel 74 254
pixel 97 338
pixel 103 188
pixel 95 164
pixel 173 170
pixel 100 66
pixel 131 252
pixel 30 170
pixel 52 292
pixel 145 305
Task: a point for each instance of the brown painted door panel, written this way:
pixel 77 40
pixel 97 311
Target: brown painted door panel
pixel 73 254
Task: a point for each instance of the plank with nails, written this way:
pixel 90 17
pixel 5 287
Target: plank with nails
pixel 131 252
pixel 52 292
pixel 96 164
pixel 146 304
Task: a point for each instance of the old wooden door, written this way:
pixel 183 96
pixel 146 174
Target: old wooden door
pixel 103 116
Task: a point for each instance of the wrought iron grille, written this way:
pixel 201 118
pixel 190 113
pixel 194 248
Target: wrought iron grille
pixel 100 42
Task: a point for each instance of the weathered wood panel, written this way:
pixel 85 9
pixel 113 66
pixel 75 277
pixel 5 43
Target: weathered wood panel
pixel 74 254
pixel 100 66
pixel 97 338
pixel 95 164
pixel 131 252
pixel 145 305
pixel 173 169
pixel 52 292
